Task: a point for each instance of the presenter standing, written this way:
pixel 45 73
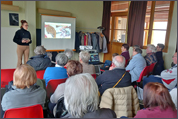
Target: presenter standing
pixel 23 39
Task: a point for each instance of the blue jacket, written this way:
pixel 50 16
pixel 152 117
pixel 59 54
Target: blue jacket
pixel 136 65
pixel 54 73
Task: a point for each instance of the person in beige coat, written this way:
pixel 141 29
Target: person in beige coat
pixel 84 57
pixel 124 101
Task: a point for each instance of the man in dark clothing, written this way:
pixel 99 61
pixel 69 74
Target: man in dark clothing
pixel 109 78
pixel 159 67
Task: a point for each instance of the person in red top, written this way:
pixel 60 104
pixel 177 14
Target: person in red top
pixel 157 102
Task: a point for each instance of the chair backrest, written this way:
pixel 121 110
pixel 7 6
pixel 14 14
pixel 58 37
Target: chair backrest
pixel 40 74
pixel 143 73
pixel 6 76
pixel 123 101
pixel 94 76
pixel 35 111
pixel 151 67
pixel 52 85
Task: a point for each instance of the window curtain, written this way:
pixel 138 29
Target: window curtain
pixel 106 18
pixel 136 22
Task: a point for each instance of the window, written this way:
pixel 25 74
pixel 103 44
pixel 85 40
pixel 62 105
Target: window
pixel 158 20
pixel 118 21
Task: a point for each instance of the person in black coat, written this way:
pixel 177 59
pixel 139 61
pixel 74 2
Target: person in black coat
pixel 40 61
pixel 159 67
pixel 109 78
pixel 22 38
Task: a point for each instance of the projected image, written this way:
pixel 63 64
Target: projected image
pixel 94 57
pixel 57 30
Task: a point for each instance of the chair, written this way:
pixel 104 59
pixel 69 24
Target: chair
pixel 94 76
pixel 143 73
pixel 6 76
pixel 151 67
pixel 52 85
pixel 40 74
pixel 35 111
pixel 123 101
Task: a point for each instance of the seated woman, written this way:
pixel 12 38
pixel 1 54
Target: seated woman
pixel 40 61
pixel 24 92
pixel 73 68
pixel 84 58
pixel 81 98
pixel 157 101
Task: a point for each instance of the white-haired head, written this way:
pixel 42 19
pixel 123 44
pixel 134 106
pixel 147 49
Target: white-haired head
pixel 61 59
pixel 81 95
pixel 84 56
pixel 119 61
pixel 150 48
pixel 69 53
pixel 39 50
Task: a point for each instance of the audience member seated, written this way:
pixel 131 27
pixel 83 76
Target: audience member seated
pixel 24 92
pixel 150 56
pixel 125 51
pixel 69 53
pixel 173 94
pixel 136 64
pixel 159 67
pixel 108 63
pixel 168 77
pixel 157 102
pixel 73 68
pixel 81 98
pixel 109 78
pixel 57 72
pixel 84 57
pixel 39 62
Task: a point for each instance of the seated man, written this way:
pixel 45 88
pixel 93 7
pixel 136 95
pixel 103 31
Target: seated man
pixel 84 57
pixel 159 67
pixel 125 52
pixel 150 57
pixel 39 62
pixel 108 63
pixel 57 72
pixel 136 64
pixel 168 77
pixel 109 78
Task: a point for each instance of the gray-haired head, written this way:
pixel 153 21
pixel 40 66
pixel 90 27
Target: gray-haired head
pixel 69 53
pixel 161 46
pixel 136 46
pixel 81 95
pixel 119 61
pixel 138 50
pixel 61 59
pixel 84 56
pixel 151 47
pixel 39 50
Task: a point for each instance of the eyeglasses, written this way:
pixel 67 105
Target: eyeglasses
pixel 26 25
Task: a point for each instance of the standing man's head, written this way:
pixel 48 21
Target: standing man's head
pixel 137 51
pixel 174 57
pixel 39 50
pixel 69 53
pixel 24 24
pixel 160 47
pixel 135 46
pixel 118 62
pixel 84 57
pixel 124 47
pixel 61 59
pixel 150 48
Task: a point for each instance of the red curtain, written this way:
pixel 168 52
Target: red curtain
pixel 106 18
pixel 136 22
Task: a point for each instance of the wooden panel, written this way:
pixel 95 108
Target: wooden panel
pixel 6 2
pixel 9 7
pixel 108 56
pixel 53 12
pixel 116 48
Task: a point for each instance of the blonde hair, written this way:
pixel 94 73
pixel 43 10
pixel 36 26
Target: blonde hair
pixel 24 76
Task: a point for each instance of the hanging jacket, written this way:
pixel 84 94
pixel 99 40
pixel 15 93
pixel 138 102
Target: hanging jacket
pixel 105 49
pixel 95 42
